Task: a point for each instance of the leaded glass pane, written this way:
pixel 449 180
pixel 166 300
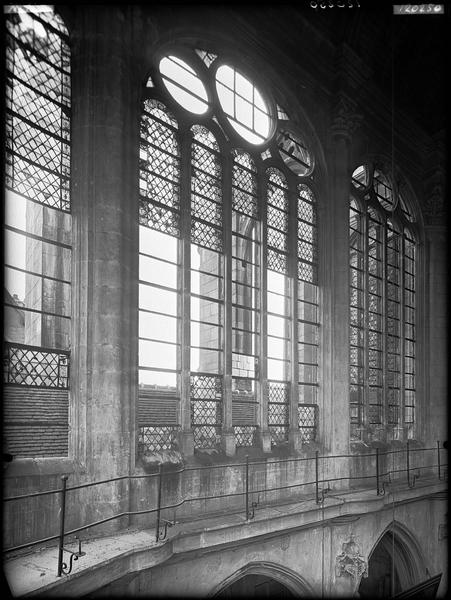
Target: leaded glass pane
pixel 294 152
pixel 38 107
pixel 382 296
pixel 278 411
pixel 243 105
pixel 38 230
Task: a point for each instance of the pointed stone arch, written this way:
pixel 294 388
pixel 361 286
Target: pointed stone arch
pixel 404 550
pixel 288 578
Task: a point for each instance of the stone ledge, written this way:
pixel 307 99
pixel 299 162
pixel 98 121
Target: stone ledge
pixel 34 574
pixel 25 467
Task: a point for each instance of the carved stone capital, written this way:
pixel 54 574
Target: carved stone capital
pixel 350 561
pixel 345 119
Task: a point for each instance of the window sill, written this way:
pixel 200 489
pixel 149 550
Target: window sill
pixel 27 467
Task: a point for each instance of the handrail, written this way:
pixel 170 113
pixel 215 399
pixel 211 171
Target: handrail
pixel 250 506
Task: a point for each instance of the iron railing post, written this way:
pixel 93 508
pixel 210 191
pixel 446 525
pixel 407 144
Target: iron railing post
pixel 62 518
pixel 160 477
pixel 408 462
pixel 247 486
pixel 377 471
pixel 317 475
pixel 438 460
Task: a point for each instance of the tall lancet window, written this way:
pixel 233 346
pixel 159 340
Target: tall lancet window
pixel 228 319
pixel 37 232
pixel 279 291
pixel 207 289
pixel 246 286
pixel 382 308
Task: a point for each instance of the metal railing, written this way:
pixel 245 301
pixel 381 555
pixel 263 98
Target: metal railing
pixel 161 525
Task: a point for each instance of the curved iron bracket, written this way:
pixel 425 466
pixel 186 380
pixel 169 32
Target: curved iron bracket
pixel 322 495
pixel 73 556
pixel 163 529
pixel 251 513
pixel 382 492
pixel 412 481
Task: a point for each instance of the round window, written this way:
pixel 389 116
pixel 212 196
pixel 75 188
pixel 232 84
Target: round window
pixel 294 153
pixel 184 84
pixel 360 177
pixel 383 189
pixel 243 105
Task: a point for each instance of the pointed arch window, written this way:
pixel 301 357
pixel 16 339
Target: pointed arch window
pixel 218 190
pixel 37 231
pixel 382 309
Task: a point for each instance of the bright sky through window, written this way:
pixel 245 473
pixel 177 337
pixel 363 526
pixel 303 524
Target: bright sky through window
pixel 184 85
pixel 294 153
pixel 243 105
pixel 360 176
pixel 15 243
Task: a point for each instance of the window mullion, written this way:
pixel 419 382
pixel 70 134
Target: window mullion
pixel 293 273
pixel 402 331
pixel 385 317
pixel 262 382
pixel 185 280
pixel 227 354
pixel 366 344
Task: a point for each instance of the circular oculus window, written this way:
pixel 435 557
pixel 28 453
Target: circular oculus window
pixel 360 177
pixel 243 105
pixel 383 190
pixel 294 153
pixel 184 85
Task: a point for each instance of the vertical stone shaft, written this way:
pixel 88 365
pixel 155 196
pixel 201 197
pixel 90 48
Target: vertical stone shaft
pixel 105 142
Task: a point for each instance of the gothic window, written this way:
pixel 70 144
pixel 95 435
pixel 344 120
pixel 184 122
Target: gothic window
pixel 382 308
pixel 207 289
pixel 228 267
pixel 246 273
pixel 279 292
pixel 307 311
pixel 37 232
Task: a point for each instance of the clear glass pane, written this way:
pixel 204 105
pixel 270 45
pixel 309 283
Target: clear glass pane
pixel 206 285
pixel 184 85
pixel 247 111
pixel 157 271
pixel 206 361
pixel 158 327
pixel 206 335
pixel 278 326
pixel 206 311
pixel 155 299
pixel 278 348
pixel 157 380
pixel 157 355
pixel 243 112
pixel 278 370
pixel 158 244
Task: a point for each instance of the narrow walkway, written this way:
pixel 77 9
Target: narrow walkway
pixel 36 570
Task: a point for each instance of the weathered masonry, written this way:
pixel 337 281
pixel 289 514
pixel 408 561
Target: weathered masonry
pixel 224 305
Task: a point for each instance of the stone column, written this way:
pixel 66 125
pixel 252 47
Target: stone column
pixel 105 140
pixel 336 283
pixel 434 405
